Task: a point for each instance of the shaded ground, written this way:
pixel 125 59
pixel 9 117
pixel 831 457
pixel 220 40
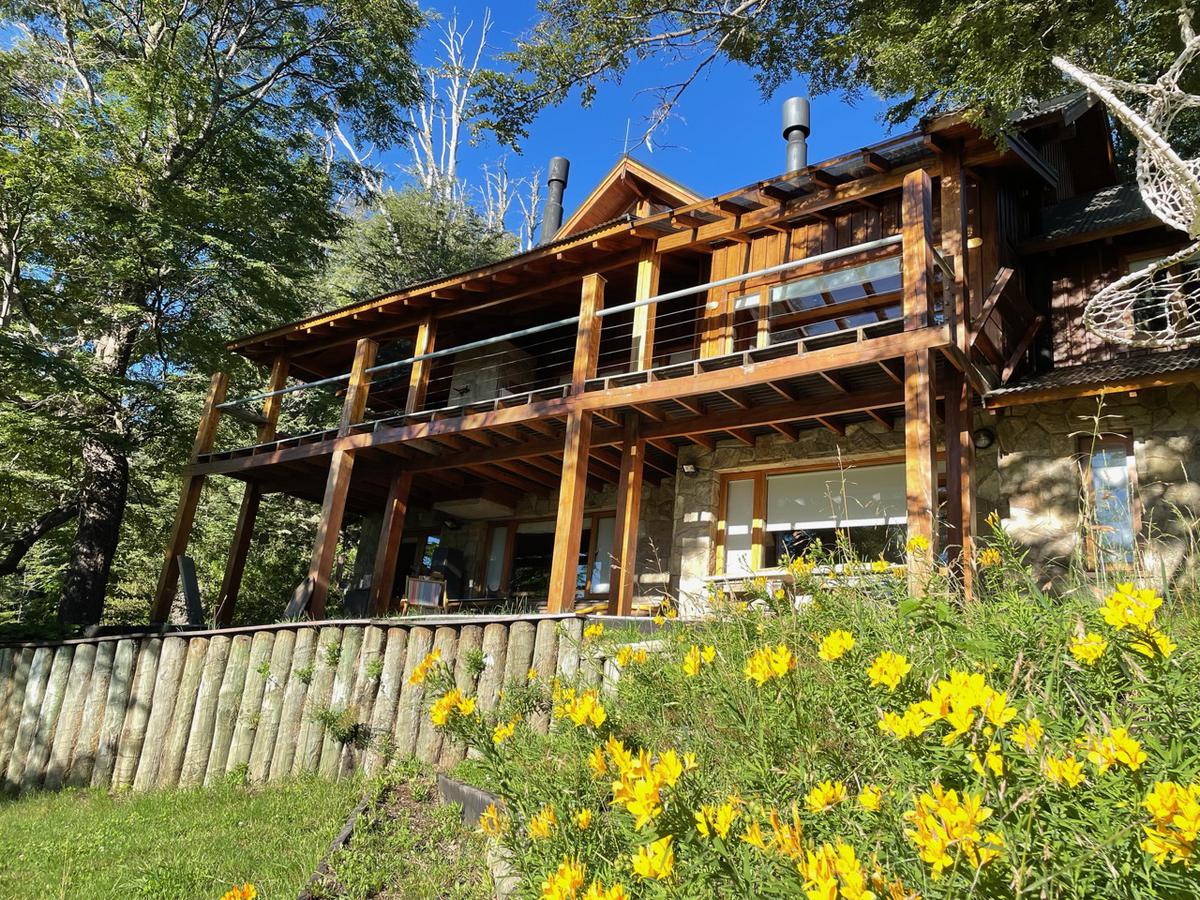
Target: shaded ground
pixel 170 844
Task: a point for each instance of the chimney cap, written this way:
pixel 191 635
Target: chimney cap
pixel 558 169
pixel 795 116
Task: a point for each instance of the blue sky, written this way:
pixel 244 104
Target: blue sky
pixel 726 135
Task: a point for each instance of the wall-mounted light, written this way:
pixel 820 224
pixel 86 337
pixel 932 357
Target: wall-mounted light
pixel 983 438
pixel 690 469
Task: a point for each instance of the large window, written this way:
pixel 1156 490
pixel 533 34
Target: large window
pixel 1110 481
pixel 519 556
pixel 770 517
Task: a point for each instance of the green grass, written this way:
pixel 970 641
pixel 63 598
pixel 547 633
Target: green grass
pixel 170 844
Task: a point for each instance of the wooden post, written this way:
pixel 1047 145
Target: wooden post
pixel 960 448
pixel 642 349
pixel 189 499
pixel 418 382
pixel 337 484
pixel 384 575
pixel 569 527
pixel 629 504
pixel 920 451
pixel 235 566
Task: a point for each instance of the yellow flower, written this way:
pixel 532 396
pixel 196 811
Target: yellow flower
pixel 621 758
pixel 691 662
pixel 503 731
pixel 990 761
pixel 708 654
pixel 754 836
pixel 1128 605
pixel 918 543
pixel 583 710
pixel 532 674
pixel 1175 809
pixel 565 882
pixel 450 703
pixel 542 824
pixel 834 866
pixel 767 663
pixel 655 861
pixel 801 567
pixel 1068 770
pixel 911 724
pixel 596 762
pixel 1027 737
pixel 888 669
pixel 989 558
pixel 490 822
pixel 716 819
pixel 946 825
pixel 825 795
pixel 1089 648
pixel 1153 644
pixel 786 836
pixel 835 645
pixel 596 891
pixel 422 670
pixel 593 631
pixel 583 819
pixel 870 798
pixel 626 655
pixel 245 891
pixel 1116 748
pixel 880 565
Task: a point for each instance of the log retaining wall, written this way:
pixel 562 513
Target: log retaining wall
pixel 185 709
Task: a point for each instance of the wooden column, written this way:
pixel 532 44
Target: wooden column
pixel 960 448
pixel 642 350
pixel 569 527
pixel 394 511
pixel 418 382
pixel 337 484
pixel 235 566
pixel 189 499
pixel 629 504
pixel 920 450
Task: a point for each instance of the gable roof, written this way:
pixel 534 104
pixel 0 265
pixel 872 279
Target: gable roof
pixel 619 192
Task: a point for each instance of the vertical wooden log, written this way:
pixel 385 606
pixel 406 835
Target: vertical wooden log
pixel 294 695
pixel 229 701
pixel 70 718
pixel 56 689
pixel 521 637
pixel 570 642
pixel 266 736
pixel 22 661
pixel 387 695
pixel 339 698
pixel 362 697
pixel 649 267
pixel 8 656
pixel 383 578
pixel 569 527
pixel 916 259
pixel 337 484
pixel 312 733
pixel 250 707
pixel 31 706
pixel 470 641
pixel 412 696
pixel 629 504
pixel 137 715
pixel 545 655
pixel 189 499
pixel 920 454
pixel 418 383
pixel 180 725
pixel 78 771
pixel 429 739
pixel 120 686
pixel 166 691
pixel 204 717
pixel 495 664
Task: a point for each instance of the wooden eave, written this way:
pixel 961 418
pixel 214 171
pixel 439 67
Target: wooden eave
pixel 628 181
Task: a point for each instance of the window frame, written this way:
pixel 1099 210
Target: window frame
pixel 1088 446
pixel 591 521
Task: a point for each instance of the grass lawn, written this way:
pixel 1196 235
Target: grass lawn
pixel 176 843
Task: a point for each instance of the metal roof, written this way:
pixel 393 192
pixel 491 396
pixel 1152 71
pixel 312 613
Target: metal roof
pixel 1108 208
pixel 1116 371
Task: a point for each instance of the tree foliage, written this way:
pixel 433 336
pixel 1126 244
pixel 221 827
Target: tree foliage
pixel 921 56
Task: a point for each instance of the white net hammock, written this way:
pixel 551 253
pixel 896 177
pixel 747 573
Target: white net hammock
pixel 1159 305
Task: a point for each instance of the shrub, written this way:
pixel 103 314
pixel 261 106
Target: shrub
pixel 838 737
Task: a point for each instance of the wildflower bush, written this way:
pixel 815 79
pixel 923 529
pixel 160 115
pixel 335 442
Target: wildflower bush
pixel 840 738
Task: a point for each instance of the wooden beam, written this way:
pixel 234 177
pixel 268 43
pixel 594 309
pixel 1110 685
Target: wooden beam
pixel 960 478
pixel 337 484
pixel 1014 359
pixel 916 259
pixel 569 526
pixel 920 456
pixel 235 564
pixel 649 270
pixel 954 241
pixel 395 509
pixel 629 504
pixel 189 499
pixel 418 382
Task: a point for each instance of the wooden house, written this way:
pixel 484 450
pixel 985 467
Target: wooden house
pixel 673 391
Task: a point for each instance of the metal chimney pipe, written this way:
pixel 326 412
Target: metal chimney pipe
pixel 556 183
pixel 796 129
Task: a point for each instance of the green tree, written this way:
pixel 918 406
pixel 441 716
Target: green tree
pixel 166 183
pixel 921 56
